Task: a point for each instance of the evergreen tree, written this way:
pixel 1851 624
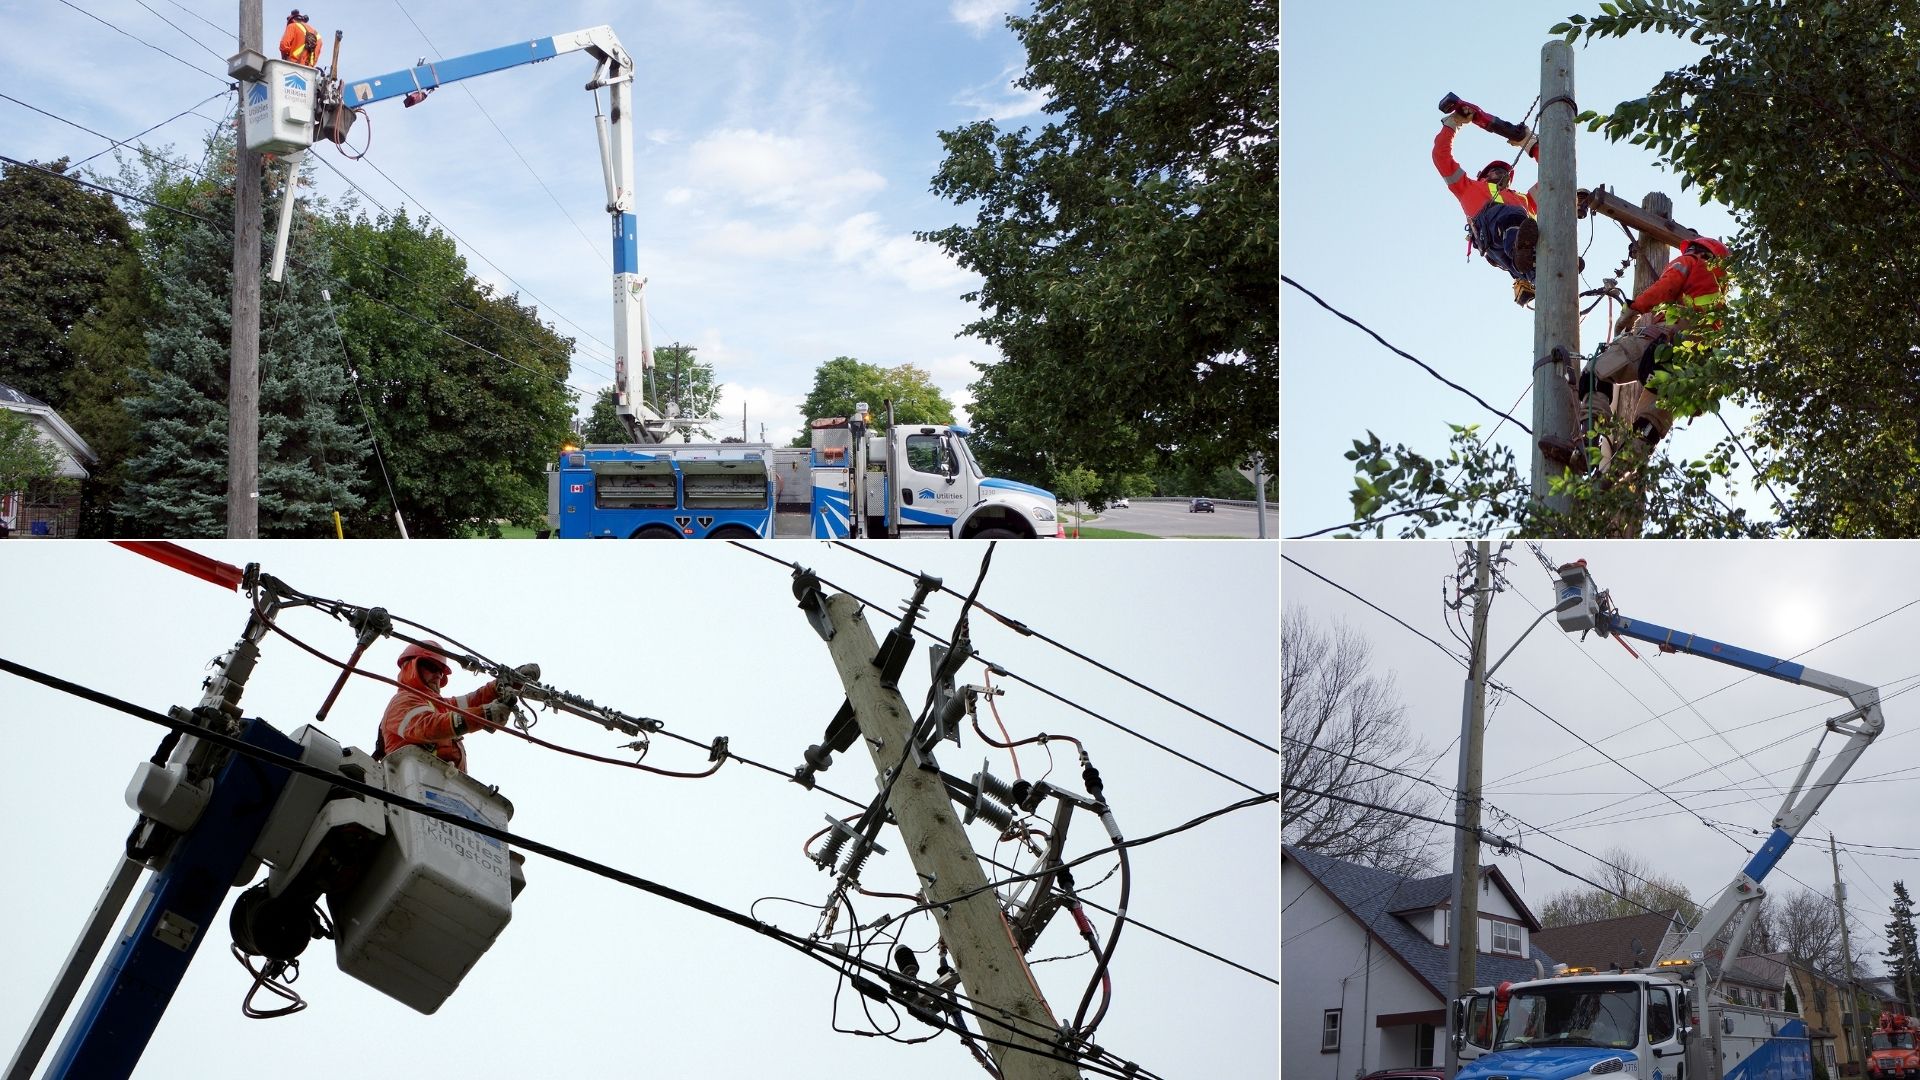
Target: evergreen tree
pixel 311 454
pixel 1903 964
pixel 109 348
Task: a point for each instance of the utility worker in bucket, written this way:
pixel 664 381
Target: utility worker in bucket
pixel 1690 293
pixel 1501 219
pixel 301 42
pixel 421 715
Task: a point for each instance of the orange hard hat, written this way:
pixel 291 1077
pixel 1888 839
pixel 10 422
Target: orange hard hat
pixel 1707 244
pixel 426 650
pixel 1496 163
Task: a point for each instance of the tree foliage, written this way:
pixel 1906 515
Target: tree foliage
pixel 1799 116
pixel 688 383
pixel 310 455
pixel 1903 946
pixel 1629 886
pixel 843 382
pixel 603 424
pixel 25 457
pixel 464 385
pixel 1343 730
pixel 1128 249
pixel 59 243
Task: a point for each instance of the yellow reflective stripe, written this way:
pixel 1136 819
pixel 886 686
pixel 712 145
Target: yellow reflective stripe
pixel 1703 300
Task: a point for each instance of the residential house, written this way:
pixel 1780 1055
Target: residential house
pixel 51 512
pixel 1365 967
pixel 1822 1001
pixel 1625 943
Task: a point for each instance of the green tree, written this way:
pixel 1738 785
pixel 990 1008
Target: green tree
pixel 466 387
pixel 1903 955
pixel 843 382
pixel 1076 485
pixel 59 244
pixel 1129 249
pixel 688 383
pixel 1799 116
pixel 109 348
pixel 310 455
pixel 25 457
pixel 603 425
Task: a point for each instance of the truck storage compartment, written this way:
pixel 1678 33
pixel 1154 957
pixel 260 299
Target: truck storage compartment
pixel 436 895
pixel 635 485
pixel 724 485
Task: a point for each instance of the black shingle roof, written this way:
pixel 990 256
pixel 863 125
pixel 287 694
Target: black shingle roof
pixel 1373 896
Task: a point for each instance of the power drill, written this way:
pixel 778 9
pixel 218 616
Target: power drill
pixel 1454 103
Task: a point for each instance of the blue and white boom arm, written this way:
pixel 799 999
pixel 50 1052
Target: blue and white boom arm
pixel 1861 725
pixel 615 74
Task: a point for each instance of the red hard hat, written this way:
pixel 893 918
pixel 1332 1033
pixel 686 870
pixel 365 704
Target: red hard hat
pixel 1496 163
pixel 426 650
pixel 1708 244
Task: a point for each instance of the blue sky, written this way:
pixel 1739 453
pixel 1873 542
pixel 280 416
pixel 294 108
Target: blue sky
pixel 783 161
pixel 1367 225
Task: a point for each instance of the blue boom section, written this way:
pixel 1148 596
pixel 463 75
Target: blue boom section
pixel 427 76
pixel 173 916
pixel 1763 860
pixel 626 244
pixel 1699 646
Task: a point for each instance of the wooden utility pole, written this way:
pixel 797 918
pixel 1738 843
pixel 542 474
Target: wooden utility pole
pixel 1556 279
pixel 996 978
pixel 243 376
pixel 1463 933
pixel 1849 1015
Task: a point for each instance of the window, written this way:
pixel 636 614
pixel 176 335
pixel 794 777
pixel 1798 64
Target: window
pixel 927 454
pixel 1660 1025
pixel 1506 938
pixel 1330 1032
pixel 1423 1046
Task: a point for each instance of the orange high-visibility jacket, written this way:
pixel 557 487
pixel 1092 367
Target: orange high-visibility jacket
pixel 1474 194
pixel 1690 281
pixel 418 717
pixel 300 44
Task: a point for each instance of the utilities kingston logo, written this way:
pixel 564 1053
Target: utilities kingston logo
pixel 293 80
pixel 257 95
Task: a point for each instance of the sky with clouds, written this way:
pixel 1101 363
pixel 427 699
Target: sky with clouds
pixel 596 979
pixel 783 151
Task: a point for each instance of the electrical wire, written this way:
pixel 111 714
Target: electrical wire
pixel 1009 1021
pixel 117 143
pixel 182 33
pixel 1027 631
pixel 1006 674
pixel 1482 402
pixel 144 41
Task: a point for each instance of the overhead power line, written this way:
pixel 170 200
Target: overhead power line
pixel 811 949
pixel 136 37
pixel 1482 402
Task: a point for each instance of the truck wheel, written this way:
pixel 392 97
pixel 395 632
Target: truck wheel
pixel 654 532
pixel 996 533
pixel 733 532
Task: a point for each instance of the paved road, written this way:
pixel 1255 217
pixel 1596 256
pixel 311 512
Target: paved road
pixel 1172 519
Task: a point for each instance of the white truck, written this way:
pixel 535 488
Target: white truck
pixel 1660 1021
pixel 917 481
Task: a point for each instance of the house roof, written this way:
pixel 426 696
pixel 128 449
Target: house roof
pixel 1764 969
pixel 71 442
pixel 1374 898
pixel 1605 942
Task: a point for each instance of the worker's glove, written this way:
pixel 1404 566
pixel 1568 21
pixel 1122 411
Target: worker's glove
pixel 1458 119
pixel 1625 322
pixel 518 677
pixel 1527 140
pixel 497 713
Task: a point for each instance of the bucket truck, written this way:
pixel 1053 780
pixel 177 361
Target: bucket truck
pixel 290 105
pixel 1892 1053
pixel 1660 1021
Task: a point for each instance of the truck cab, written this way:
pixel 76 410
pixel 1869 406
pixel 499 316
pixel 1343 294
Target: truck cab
pixel 1575 1025
pixel 914 481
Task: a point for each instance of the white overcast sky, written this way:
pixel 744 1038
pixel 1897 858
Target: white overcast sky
pixel 1368 226
pixel 595 979
pixel 1781 600
pixel 784 153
